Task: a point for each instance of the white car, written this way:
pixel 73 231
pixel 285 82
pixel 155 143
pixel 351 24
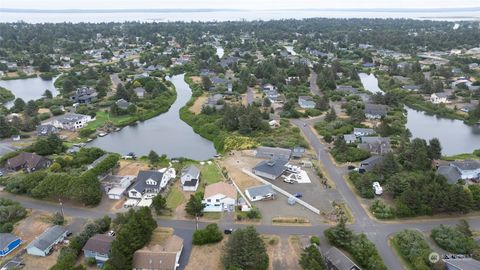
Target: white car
pixel 377 188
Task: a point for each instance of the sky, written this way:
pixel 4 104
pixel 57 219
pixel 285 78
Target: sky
pixel 234 4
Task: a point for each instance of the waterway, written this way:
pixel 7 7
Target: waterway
pixel 455 136
pixel 29 89
pixel 165 134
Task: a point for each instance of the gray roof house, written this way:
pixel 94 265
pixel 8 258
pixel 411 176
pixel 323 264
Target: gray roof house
pixel 370 163
pixel 8 242
pixel 139 91
pixel 259 193
pixel 98 247
pixel 70 121
pixel 147 182
pixel 468 169
pixel 84 95
pixel 43 244
pixel 306 102
pixel 375 145
pixel 349 138
pixel 336 260
pixel 46 130
pixel 270 169
pixel 450 172
pixel 375 111
pixel 346 89
pixel 272 152
pixel 360 132
pixel 190 177
pixel 122 104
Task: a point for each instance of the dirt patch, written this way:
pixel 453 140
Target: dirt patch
pixel 131 167
pixel 40 263
pixel 281 254
pixel 206 257
pixel 196 108
pixel 43 110
pixel 32 226
pixel 196 79
pixel 234 164
pixel 160 235
pixel 68 135
pixel 291 220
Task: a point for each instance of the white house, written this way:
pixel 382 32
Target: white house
pixel 70 121
pixel 150 182
pixel 437 98
pixel 190 178
pixel 220 197
pixel 360 132
pixel 258 193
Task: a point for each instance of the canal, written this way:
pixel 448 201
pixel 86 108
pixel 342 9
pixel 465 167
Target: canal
pixel 165 134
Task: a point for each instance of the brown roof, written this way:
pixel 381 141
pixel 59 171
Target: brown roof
pixel 100 243
pixel 221 188
pixel 159 257
pixel 30 159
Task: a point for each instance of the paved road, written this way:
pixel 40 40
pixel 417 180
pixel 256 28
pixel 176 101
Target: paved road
pixel 250 96
pixel 6 147
pixel 313 83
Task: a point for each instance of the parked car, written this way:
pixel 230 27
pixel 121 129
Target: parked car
pixel 351 167
pixel 228 231
pixel 288 180
pixel 298 195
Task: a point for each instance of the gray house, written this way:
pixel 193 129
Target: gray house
pixel 462 264
pixel 451 173
pixel 98 247
pixel 43 244
pixel 259 193
pixel 271 169
pixel 273 152
pixel 375 145
pixel 336 260
pixel 306 102
pixel 46 130
pixel 139 91
pixel 375 111
pixel 370 163
pixel 147 182
pixel 190 177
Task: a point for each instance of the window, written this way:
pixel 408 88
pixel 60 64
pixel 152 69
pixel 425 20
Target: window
pixel 217 200
pixel 208 200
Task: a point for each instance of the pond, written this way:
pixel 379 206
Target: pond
pixel 220 51
pixel 165 134
pixel 28 89
pixel 454 136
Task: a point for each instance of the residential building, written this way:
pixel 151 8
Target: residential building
pixel 147 182
pixel 468 169
pixel 361 132
pixel 8 243
pixel 43 244
pixel 84 95
pixel 462 264
pixel 297 152
pixel 451 173
pixel 273 152
pixel 70 121
pixel 220 197
pixel 29 162
pixel 259 193
pixel 271 169
pixel 306 102
pixel 46 130
pixel 269 87
pixel 347 89
pixel 370 163
pixel 215 101
pixel 98 247
pixel 349 138
pixel 411 87
pixel 337 260
pixel 375 145
pixel 115 185
pixel 375 111
pixel 159 257
pixel 437 98
pixel 122 104
pixel 140 92
pixel 190 178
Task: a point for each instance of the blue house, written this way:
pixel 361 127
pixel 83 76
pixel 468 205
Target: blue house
pixel 8 242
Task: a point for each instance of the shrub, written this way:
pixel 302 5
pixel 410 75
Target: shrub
pixel 382 211
pixel 413 248
pixel 254 213
pixel 315 240
pixel 211 234
pixel 453 240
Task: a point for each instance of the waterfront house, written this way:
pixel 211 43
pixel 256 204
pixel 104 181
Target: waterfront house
pixel 437 98
pixel 450 173
pixel 98 247
pixel 43 244
pixel 220 197
pixel 375 111
pixel 29 162
pixel 190 178
pixel 122 104
pixel 70 121
pixel 468 169
pixel 271 169
pixel 159 257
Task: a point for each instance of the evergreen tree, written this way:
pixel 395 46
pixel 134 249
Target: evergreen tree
pixel 434 149
pixel 245 250
pixel 331 115
pixel 48 94
pixel 311 259
pixel 159 204
pixel 194 205
pixel 153 157
pixel 31 108
pixel 18 105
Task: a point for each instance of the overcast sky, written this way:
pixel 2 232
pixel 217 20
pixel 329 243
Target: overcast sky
pixel 235 4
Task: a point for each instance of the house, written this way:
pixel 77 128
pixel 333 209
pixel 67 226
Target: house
pixel 190 177
pixel 29 162
pixel 139 91
pixel 259 193
pixel 437 98
pixel 306 102
pixel 297 152
pixel 96 162
pixel 70 121
pixel 347 89
pixel 219 197
pixel 215 101
pixel 159 257
pixel 270 169
pixel 349 138
pixel 269 87
pixel 368 65
pixel 411 87
pixel 46 130
pixel 360 132
pixel 8 242
pixel 147 182
pixel 272 95
pixel 451 173
pixel 468 169
pixel 43 244
pixel 462 264
pixel 273 152
pixel 336 260
pixel 375 145
pixel 98 247
pixel 375 111
pixel 84 95
pixel 122 104
pixel 115 186
pixel 370 163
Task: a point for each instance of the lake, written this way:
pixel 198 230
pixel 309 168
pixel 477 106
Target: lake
pixel 165 134
pixel 29 89
pixel 220 51
pixel 454 136
pixel 231 15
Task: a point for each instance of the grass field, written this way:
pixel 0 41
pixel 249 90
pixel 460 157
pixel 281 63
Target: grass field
pixel 174 199
pixel 210 174
pixel 103 117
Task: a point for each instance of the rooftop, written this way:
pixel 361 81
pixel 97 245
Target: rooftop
pixel 221 188
pixel 100 243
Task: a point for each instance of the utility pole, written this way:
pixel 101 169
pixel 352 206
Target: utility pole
pixel 61 207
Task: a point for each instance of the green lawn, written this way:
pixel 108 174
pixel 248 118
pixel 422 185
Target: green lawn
pixel 210 174
pixel 174 198
pixel 212 215
pixel 103 117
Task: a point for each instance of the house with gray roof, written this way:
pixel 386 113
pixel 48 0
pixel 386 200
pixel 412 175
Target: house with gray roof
pixel 147 182
pixel 43 244
pixel 468 169
pixel 337 260
pixel 84 95
pixel 139 91
pixel 46 130
pixel 370 163
pixel 259 193
pixel 349 138
pixel 273 152
pixel 70 121
pixel 375 111
pixel 8 242
pixel 190 178
pixel 271 169
pixel 122 104
pixel 450 172
pixel 306 102
pixel 98 247
pixel 375 145
pixel 361 132
pixel 347 89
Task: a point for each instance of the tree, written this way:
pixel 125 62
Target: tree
pixel 331 115
pixel 339 235
pixel 266 102
pixel 434 149
pixel 18 105
pixel 159 203
pixel 68 87
pixel 195 206
pixel 48 94
pixel 311 259
pixel 211 234
pixel 31 109
pixel 51 145
pixel 206 83
pixel 153 157
pixel 245 250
